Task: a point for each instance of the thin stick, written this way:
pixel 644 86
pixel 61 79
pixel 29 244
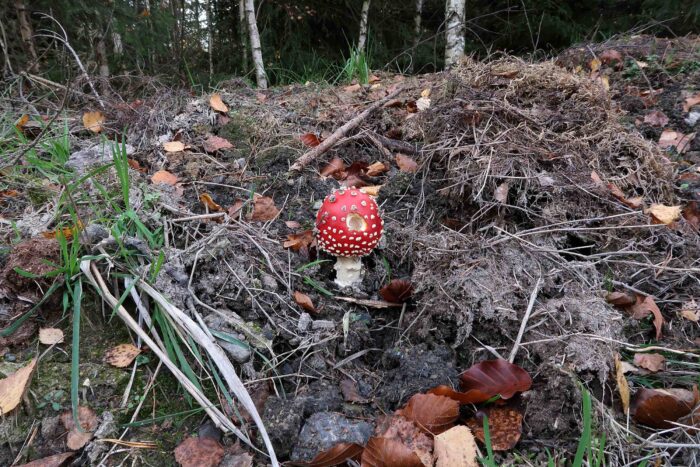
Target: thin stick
pixel 329 142
pixel 523 325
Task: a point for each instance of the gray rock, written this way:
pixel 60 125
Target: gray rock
pixel 322 325
pixel 95 233
pixel 239 352
pixel 304 322
pixel 269 282
pixel 325 429
pixel 107 429
pixel 282 419
pixel 94 155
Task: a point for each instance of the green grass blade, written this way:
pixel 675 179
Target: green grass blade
pixel 584 444
pixel 75 351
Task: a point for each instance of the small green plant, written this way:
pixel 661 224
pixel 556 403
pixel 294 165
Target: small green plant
pixel 52 399
pixel 356 67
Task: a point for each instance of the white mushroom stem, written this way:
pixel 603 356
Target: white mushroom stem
pixel 348 270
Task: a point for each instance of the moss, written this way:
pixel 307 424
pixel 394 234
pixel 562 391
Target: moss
pixel 240 130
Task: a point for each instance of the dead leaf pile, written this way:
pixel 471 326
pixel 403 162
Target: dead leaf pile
pixel 199 452
pixel 639 307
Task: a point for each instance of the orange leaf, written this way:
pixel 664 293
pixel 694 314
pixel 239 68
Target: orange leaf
pixel 643 307
pixel 634 203
pixel 335 167
pixel 399 428
pixel 495 377
pixel 93 121
pixel 8 193
pixel 376 169
pixel 397 291
pixel 66 232
pixel 217 104
pixel 690 102
pixel 304 301
pixel 405 163
pixel 21 121
pixel 163 177
pixel 300 241
pixel 216 143
pixel 650 361
pixel 122 355
pixel 505 426
pixel 621 299
pixel 611 55
pixel 623 386
pixel 431 413
pixel 264 208
pixel 199 452
pixel 13 388
pixel 57 460
pixel 134 164
pixel 658 408
pixel 79 437
pixel 336 455
pixel 691 213
pixel 384 452
pixel 310 139
pixel 207 200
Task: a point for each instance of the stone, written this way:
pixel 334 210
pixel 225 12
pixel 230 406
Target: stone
pixel 324 430
pixel 304 322
pixel 322 325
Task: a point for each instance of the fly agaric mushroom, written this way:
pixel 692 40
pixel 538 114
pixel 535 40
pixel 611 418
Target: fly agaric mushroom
pixel 348 226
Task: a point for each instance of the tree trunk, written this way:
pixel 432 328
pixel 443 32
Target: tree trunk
pixel 255 45
pixel 242 27
pixel 454 32
pixel 417 29
pixel 27 34
pixel 102 60
pixel 210 39
pixel 363 26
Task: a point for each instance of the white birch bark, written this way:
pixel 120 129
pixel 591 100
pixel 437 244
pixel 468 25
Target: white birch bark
pixel 454 31
pixel 255 45
pixel 362 41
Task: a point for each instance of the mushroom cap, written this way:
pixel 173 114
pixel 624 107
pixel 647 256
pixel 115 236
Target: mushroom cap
pixel 348 223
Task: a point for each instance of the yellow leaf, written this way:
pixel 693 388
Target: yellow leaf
pixel 207 200
pixel 455 448
pixel 664 214
pixel 425 93
pixel 595 65
pixel 174 146
pixel 122 355
pixel 50 336
pixel 21 121
pixel 14 386
pixel 622 385
pixel 93 121
pixel 371 190
pixel 217 104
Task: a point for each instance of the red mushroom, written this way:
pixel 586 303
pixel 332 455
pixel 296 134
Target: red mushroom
pixel 348 226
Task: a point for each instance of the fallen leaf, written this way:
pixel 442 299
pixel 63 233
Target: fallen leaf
pixel 505 426
pixel 199 452
pixel 411 107
pixel 174 146
pixel 216 143
pixel 93 121
pixel 57 460
pixel 235 210
pixel 623 386
pixel 597 181
pixel 620 299
pixel 663 214
pixel 66 232
pixel 656 118
pixel 217 104
pixel 643 307
pixel 423 104
pixel 134 164
pixel 264 208
pixel 455 447
pixel 300 241
pixel 500 194
pixel 384 452
pixel 690 311
pixel 431 413
pixel 594 65
pixel 675 139
pixel 14 386
pixel 376 169
pixel 336 455
pixel 690 102
pixel 401 429
pixel 495 377
pixel 352 88
pixel 650 361
pixel 691 213
pixel 634 203
pixel 371 190
pixel 658 408
pixel 310 139
pixel 508 74
pixel 50 336
pixel 21 121
pixel 350 392
pixel 335 167
pixel 304 301
pixel 122 355
pixel 163 177
pixel 405 163
pixel 9 193
pixel 292 224
pixel 207 200
pixel 76 438
pixel 610 56
pixel 397 291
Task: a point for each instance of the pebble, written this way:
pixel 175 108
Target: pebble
pixel 322 325
pixel 10 357
pixel 304 322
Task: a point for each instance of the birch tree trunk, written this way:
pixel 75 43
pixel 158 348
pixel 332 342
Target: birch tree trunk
pixel 454 32
pixel 255 45
pixel 243 37
pixel 27 34
pixel 102 60
pixel 363 26
pixel 417 29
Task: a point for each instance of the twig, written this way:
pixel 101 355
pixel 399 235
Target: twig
pixel 523 325
pixel 329 142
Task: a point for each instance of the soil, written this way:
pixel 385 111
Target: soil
pixel 502 206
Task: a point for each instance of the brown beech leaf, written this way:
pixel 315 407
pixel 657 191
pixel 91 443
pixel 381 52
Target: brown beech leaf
pixel 264 208
pixel 310 140
pixel 431 413
pixel 199 452
pixel 57 460
pixel 14 386
pixel 690 310
pixel 292 224
pixel 50 336
pixel 207 200
pixel 623 386
pixel 336 455
pixel 662 214
pixel 304 301
pixel 385 452
pixel 336 167
pixel 376 169
pixel 505 426
pixel 216 143
pixel 634 202
pixel 650 361
pixel 456 447
pixel 620 299
pixel 658 408
pixel 610 56
pixel 350 393
pixel 217 104
pixel 691 213
pixel 174 146
pixel 76 438
pixel 122 355
pixel 690 102
pixel 675 139
pixel 163 177
pixel 494 377
pixel 656 118
pixel 299 242
pixel 643 307
pixel 93 121
pixel 397 291
pixel 405 163
pixel 136 165
pixel 404 430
